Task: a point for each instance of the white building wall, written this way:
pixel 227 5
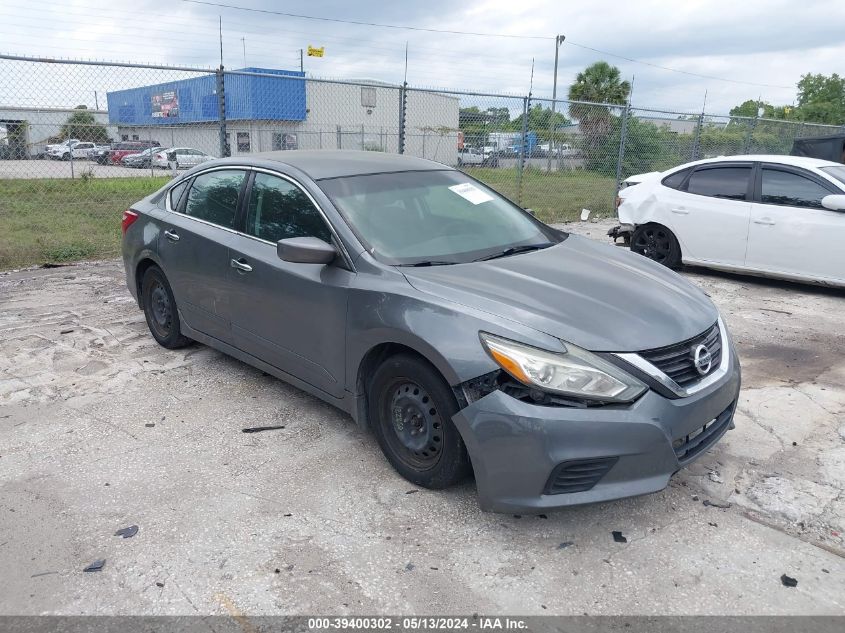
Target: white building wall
pixel 43 123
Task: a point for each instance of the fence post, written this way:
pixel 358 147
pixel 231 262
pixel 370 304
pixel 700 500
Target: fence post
pixel 623 133
pixel 221 113
pixel 339 139
pixel 402 106
pixel 521 166
pixel 696 143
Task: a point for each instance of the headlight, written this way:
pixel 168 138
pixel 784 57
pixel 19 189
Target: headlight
pixel 574 372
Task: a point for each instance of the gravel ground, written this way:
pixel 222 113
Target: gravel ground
pixel 101 429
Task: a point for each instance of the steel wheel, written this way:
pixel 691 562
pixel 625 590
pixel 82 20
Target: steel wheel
pixel 415 424
pixel 161 309
pixel 411 409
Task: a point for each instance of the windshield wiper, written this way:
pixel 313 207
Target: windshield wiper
pixel 429 262
pixel 513 250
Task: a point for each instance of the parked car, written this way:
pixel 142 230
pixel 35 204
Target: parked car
pixel 141 159
pixel 778 216
pixel 80 150
pixel 183 157
pixel 66 143
pixel 470 156
pixel 100 154
pixel 125 148
pixel 465 333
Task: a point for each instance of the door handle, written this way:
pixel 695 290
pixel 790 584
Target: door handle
pixel 241 266
pixel 764 221
pixel 680 211
pixel 173 236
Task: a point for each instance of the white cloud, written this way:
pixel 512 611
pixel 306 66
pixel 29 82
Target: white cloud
pixel 756 41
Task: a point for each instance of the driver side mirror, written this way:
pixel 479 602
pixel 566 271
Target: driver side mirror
pixel 305 250
pixel 531 212
pixel 834 202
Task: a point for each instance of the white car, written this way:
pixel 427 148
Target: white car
pixel 77 150
pixel 183 157
pixel 777 216
pixel 470 156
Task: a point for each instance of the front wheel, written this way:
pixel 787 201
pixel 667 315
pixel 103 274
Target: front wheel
pixel 160 310
pixel 657 242
pixel 411 409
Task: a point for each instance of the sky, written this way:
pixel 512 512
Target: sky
pixel 747 50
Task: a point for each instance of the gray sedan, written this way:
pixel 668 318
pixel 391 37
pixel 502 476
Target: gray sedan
pixel 469 337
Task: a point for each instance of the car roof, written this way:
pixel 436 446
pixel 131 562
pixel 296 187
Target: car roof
pixel 797 161
pixel 319 164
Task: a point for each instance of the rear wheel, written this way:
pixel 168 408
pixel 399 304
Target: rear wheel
pixel 160 310
pixel 657 242
pixel 411 409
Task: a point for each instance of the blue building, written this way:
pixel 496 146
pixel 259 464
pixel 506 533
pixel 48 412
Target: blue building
pixel 248 97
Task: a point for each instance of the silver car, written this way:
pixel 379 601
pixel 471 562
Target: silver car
pixel 180 157
pixel 468 336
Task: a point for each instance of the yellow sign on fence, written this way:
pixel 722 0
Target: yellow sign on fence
pixel 316 52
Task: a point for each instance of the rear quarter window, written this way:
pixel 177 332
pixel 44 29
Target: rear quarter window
pixel 674 181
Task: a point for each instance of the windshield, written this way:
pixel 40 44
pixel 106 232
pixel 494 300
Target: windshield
pixel 436 217
pixel 837 172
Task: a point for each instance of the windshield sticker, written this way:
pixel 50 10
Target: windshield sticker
pixel 470 192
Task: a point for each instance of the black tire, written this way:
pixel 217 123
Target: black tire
pixel 410 411
pixel 658 243
pixel 160 310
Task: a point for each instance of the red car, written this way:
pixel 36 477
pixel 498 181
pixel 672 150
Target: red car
pixel 125 148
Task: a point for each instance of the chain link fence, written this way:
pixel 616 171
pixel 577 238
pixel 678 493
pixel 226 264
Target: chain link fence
pixel 80 141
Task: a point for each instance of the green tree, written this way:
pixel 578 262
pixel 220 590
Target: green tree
pixel 751 108
pixel 821 99
pixel 83 126
pixel 598 83
pixel 540 121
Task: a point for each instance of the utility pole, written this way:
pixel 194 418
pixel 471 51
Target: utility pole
pixel 243 41
pixel 558 41
pixel 301 62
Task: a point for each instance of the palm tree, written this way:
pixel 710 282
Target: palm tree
pixel 598 83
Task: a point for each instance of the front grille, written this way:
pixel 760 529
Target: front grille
pixel 578 475
pixel 688 447
pixel 677 361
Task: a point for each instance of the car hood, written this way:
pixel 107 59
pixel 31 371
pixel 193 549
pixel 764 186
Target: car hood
pixel 596 296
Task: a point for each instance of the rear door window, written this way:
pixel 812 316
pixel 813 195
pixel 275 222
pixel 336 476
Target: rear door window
pixel 730 183
pixel 790 189
pixel 213 197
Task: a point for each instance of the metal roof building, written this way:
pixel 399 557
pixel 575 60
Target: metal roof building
pixel 270 109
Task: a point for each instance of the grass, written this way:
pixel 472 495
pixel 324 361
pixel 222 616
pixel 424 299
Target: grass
pixel 556 196
pixel 58 221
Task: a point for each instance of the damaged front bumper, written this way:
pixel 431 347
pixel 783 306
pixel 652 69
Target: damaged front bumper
pixel 621 230
pixel 529 457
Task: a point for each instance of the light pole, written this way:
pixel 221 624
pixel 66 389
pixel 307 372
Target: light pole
pixel 558 41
